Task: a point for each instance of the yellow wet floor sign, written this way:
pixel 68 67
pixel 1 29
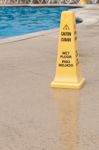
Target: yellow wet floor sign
pixel 67 69
pixel 83 2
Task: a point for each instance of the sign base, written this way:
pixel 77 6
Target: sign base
pixel 75 85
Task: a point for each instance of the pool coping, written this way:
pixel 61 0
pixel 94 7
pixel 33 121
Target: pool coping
pixel 44 32
pixel 27 36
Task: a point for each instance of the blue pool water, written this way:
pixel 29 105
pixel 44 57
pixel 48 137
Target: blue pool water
pixel 22 20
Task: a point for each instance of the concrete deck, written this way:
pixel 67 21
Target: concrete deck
pixel 35 117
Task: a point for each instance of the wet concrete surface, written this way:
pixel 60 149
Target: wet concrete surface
pixel 34 116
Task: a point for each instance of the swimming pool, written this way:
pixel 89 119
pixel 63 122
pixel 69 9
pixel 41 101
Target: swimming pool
pixel 22 20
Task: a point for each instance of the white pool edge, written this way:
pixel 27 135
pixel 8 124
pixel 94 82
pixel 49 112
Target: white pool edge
pixel 27 36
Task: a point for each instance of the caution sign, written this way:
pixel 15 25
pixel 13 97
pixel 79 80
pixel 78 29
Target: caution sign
pixel 67 70
pixel 83 2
